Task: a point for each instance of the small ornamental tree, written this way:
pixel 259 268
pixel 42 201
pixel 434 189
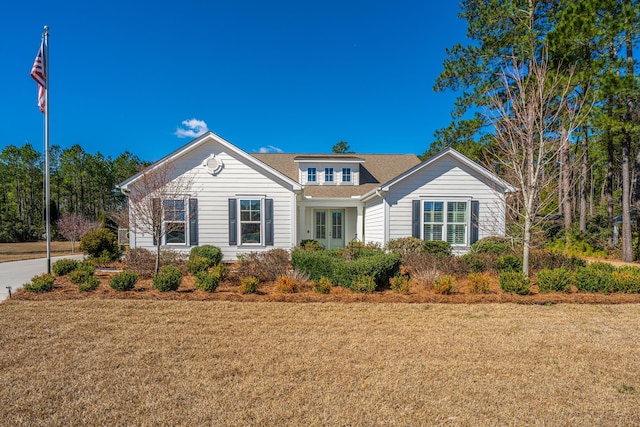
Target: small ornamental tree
pixel 150 194
pixel 73 227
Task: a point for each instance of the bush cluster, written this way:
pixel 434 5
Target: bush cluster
pixel 554 280
pixel 168 279
pixel 123 281
pixel 514 282
pixel 64 266
pixel 82 273
pixel 41 283
pixel 445 284
pixel 265 266
pixel 478 283
pixel 197 264
pixel 595 277
pixel 101 244
pixel 248 285
pixel 208 281
pixel 322 285
pixel 400 284
pixel 212 253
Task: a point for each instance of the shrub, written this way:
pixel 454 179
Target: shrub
pixel 479 262
pixel 41 283
pixel 248 285
pixel 543 258
pixel 595 277
pixel 209 280
pixel 102 244
pixel 364 284
pixel 64 266
pixel 286 285
pixel 316 264
pixel 514 282
pixel 509 263
pixel 492 245
pixel 212 253
pixel 405 245
pixel 381 267
pixel 197 263
pixel 310 245
pixel 557 279
pixel 479 283
pixel 436 247
pixel 322 285
pixel 445 284
pixel 90 283
pixel 81 274
pixel 123 281
pixel 167 279
pixel 400 284
pixel 265 266
pixel 141 261
pixel 355 250
pixel 626 279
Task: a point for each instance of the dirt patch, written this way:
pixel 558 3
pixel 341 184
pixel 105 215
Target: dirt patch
pixel 64 289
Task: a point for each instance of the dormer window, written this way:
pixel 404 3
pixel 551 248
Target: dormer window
pixel 328 174
pixel 346 174
pixel 311 175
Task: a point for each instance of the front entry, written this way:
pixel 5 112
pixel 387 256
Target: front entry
pixel 328 227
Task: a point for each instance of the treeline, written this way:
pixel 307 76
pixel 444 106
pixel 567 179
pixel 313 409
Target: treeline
pixel 591 45
pixel 80 182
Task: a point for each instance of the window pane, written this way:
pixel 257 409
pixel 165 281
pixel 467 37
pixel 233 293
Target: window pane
pixel 457 212
pixel 250 233
pixel 337 225
pixel 311 174
pixel 328 174
pixel 175 232
pixel 321 225
pixel 456 234
pixel 433 211
pixel 346 174
pixel 432 232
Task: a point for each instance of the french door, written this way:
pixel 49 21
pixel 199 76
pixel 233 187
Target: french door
pixel 328 227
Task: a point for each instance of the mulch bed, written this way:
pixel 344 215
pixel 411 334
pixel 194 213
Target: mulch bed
pixel 64 289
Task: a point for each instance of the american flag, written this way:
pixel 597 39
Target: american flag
pixel 38 74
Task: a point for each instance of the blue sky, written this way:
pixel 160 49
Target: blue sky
pixel 295 76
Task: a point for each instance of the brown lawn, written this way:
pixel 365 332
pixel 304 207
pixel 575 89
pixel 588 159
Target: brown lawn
pixel 127 362
pixel 30 250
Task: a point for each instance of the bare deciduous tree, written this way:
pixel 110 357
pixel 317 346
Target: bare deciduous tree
pixel 533 111
pixel 157 204
pixel 73 226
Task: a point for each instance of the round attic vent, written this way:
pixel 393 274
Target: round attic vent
pixel 213 164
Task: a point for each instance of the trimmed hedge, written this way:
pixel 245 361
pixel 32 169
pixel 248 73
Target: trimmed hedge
pixel 557 279
pixel 168 279
pixel 342 272
pixel 210 252
pixel 514 282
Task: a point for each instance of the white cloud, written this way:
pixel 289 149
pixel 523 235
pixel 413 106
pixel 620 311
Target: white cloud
pixel 270 149
pixel 191 128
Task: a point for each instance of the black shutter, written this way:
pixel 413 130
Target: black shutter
pixel 268 222
pixel 193 222
pixel 415 218
pixel 157 218
pixel 233 223
pixel 475 212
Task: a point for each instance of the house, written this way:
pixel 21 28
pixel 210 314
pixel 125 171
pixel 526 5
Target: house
pixel 245 202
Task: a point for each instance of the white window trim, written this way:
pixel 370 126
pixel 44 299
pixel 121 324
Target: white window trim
pixel 186 221
pixel 315 174
pixel 445 200
pixel 239 222
pixel 333 174
pixel 350 175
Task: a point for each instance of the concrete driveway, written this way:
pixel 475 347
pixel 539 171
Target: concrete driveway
pixel 17 273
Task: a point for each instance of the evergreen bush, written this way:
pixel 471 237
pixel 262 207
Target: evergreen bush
pixel 514 282
pixel 89 284
pixel 102 244
pixel 123 281
pixel 508 263
pixel 322 285
pixel 197 263
pixel 492 245
pixel 64 266
pixel 41 283
pixel 400 284
pixel 436 247
pixel 167 279
pixel 249 285
pixel 554 280
pixel 212 253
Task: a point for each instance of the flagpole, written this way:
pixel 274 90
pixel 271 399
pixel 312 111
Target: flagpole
pixel 46 146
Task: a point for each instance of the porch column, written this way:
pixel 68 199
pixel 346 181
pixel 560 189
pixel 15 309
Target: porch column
pixel 302 230
pixel 360 222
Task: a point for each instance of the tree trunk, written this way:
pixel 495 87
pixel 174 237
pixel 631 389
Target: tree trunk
pixel 608 189
pixel 627 238
pixel 583 180
pixel 566 180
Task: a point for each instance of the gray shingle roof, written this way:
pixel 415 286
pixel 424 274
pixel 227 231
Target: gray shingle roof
pixel 376 170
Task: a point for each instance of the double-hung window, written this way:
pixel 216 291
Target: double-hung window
pixel 250 221
pixel 311 175
pixel 445 220
pixel 328 174
pixel 346 174
pixel 175 222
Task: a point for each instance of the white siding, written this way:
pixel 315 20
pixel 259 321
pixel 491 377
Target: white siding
pixel 374 222
pixel 238 178
pixel 446 178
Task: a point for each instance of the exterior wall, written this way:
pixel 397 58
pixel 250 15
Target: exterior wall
pixel 238 178
pixel 374 222
pixel 446 178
